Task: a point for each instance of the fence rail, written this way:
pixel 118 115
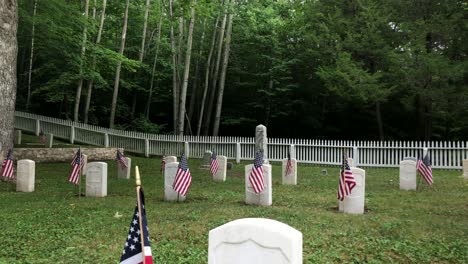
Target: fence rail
pixel 444 155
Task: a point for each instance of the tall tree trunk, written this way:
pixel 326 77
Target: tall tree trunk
pixel 222 80
pixel 119 66
pixel 91 82
pixel 179 52
pixel 197 70
pixel 8 53
pixel 207 77
pixel 378 114
pixel 150 96
pixel 216 72
pixel 183 90
pixel 94 9
pixel 33 30
pixel 174 71
pixel 83 51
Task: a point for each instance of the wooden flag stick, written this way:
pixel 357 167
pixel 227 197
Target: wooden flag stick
pixel 142 238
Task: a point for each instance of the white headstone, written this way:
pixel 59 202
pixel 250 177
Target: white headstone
pixel 355 202
pixel 261 141
pixel 408 175
pixel 17 137
pixel 265 197
pixel 169 176
pixel 25 175
pixel 253 241
pixel 206 161
pixel 49 140
pixel 170 159
pixel 291 178
pixel 220 175
pixel 96 179
pixel 465 169
pixel 85 164
pixel 124 172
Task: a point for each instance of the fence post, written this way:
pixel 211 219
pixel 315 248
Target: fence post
pixel 238 152
pixel 355 156
pixel 106 140
pixel 292 151
pixel 38 127
pixel 72 134
pixel 186 149
pixel 146 147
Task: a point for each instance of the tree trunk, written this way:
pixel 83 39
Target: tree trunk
pixel 91 82
pixel 8 42
pixel 207 77
pixel 158 38
pixel 197 70
pixel 83 51
pixel 378 114
pixel 174 71
pixel 33 30
pixel 119 66
pixel 216 72
pixel 183 90
pixel 94 9
pixel 179 52
pixel 222 80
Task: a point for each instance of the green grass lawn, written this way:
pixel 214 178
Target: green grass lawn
pixel 54 225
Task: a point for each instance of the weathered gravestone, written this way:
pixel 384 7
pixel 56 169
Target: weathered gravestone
pixel 261 141
pixel 220 175
pixel 206 161
pixel 355 202
pixel 17 140
pixel 96 179
pixel 408 175
pixel 465 169
pixel 253 241
pixel 291 177
pixel 49 141
pixel 169 176
pixel 263 198
pixel 122 171
pixel 25 175
pixel 170 159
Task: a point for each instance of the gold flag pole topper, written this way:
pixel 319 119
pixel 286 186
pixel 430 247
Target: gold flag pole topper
pixel 138 186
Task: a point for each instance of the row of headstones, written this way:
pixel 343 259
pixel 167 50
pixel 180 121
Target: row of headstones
pixel 49 139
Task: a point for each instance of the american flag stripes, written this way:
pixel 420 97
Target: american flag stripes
pixel 7 167
pixel 256 174
pixel 424 167
pixel 288 165
pixel 347 181
pixel 121 160
pixel 214 164
pixel 134 251
pixel 183 177
pixel 77 164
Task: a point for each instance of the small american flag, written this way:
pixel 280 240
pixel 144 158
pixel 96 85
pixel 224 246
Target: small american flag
pixel 134 251
pixel 7 167
pixel 77 164
pixel 163 163
pixel 347 181
pixel 288 165
pixel 121 160
pixel 42 137
pixel 183 177
pixel 256 174
pixel 214 165
pixel 424 167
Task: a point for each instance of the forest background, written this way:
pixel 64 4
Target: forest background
pixel 358 69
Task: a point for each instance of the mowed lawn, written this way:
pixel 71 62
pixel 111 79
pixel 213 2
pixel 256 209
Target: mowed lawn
pixel 54 225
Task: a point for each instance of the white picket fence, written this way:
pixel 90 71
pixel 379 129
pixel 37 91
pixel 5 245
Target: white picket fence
pixel 444 155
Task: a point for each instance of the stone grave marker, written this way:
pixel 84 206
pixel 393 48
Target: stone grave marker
pixel 25 176
pixel 220 175
pixel 263 198
pixel 355 202
pixel 170 159
pixel 253 241
pixel 124 172
pixel 408 175
pixel 465 169
pixel 206 161
pixel 169 176
pixel 96 179
pixel 17 137
pixel 261 141
pixel 291 178
pixel 49 141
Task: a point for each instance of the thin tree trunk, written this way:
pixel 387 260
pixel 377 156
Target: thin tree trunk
pixel 91 82
pixel 158 38
pixel 8 64
pixel 183 90
pixel 179 52
pixel 83 51
pixel 94 9
pixel 215 75
pixel 222 80
pixel 207 77
pixel 119 66
pixel 174 71
pixel 33 30
pixel 197 70
pixel 378 114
